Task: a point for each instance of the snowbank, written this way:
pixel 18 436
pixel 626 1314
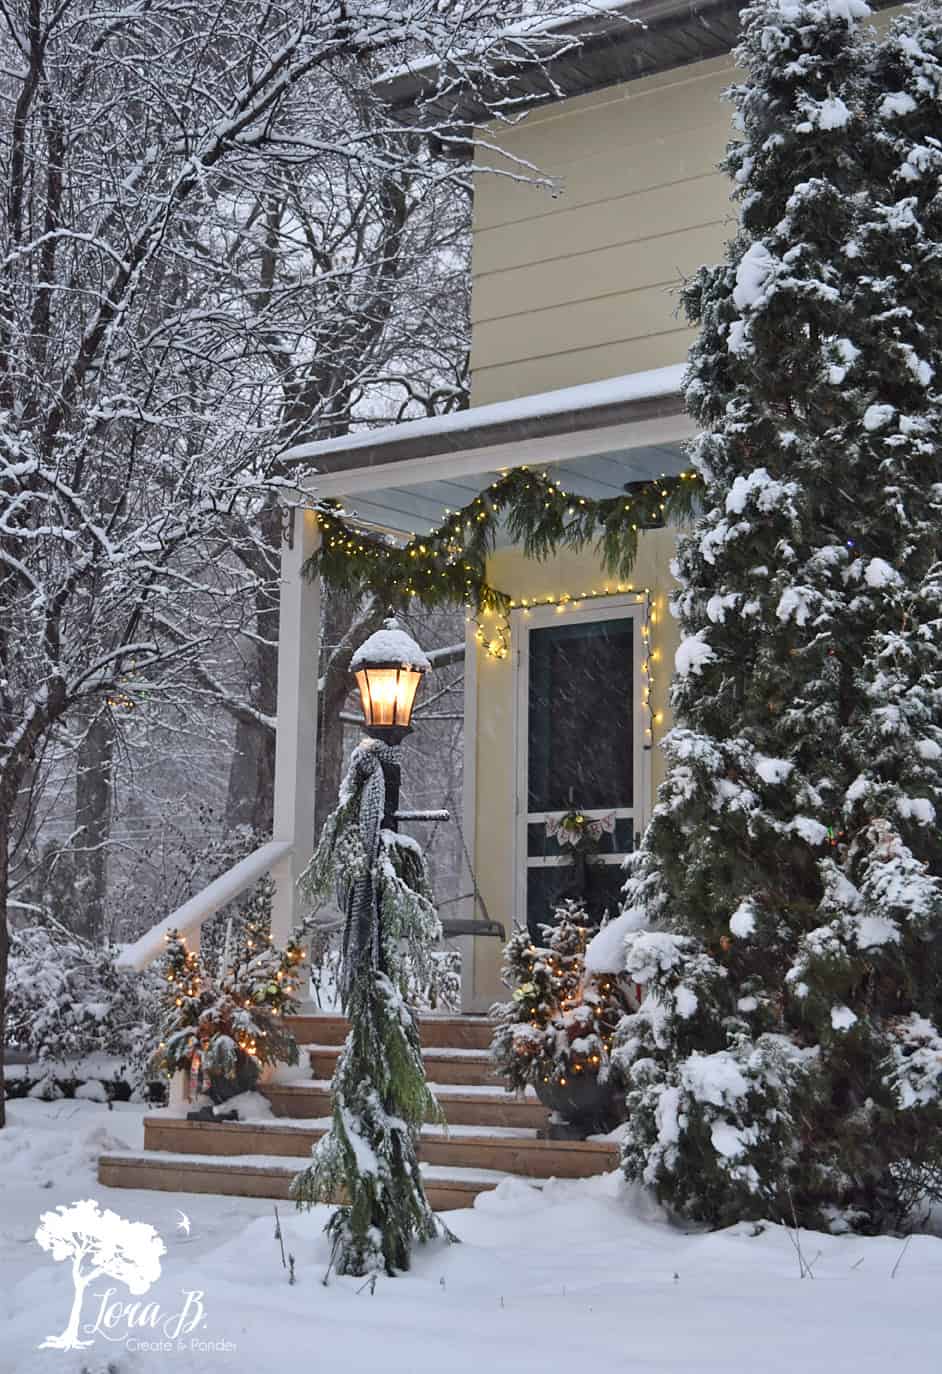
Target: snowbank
pixel 580 1273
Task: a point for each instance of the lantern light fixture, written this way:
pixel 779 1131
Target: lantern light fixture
pixel 388 668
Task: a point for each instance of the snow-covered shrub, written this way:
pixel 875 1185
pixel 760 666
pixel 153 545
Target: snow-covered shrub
pixel 66 1000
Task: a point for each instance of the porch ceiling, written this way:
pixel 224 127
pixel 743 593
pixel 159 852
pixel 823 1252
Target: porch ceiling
pixel 403 478
pixel 420 509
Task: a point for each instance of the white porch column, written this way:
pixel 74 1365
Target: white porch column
pixel 469 813
pixel 296 738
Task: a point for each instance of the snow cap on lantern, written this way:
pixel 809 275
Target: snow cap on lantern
pixel 388 668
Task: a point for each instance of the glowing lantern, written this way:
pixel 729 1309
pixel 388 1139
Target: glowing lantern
pixel 388 668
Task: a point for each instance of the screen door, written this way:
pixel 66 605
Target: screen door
pixel 580 746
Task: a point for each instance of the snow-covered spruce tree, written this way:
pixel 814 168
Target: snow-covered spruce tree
pixel 785 909
pixel 380 1096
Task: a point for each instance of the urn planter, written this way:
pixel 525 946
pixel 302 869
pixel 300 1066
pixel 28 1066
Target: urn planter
pixel 586 1105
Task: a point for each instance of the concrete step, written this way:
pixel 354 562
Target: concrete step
pixel 463 1105
pixel 437 1032
pixel 456 1067
pixel 509 1151
pixel 262 1176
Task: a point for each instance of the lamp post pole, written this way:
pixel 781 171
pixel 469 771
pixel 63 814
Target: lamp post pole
pixel 388 667
pixel 390 760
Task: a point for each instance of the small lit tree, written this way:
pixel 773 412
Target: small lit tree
pixel 556 1031
pixel 229 1026
pixel 99 1244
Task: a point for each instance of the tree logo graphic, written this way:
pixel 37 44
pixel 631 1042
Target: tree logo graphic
pixel 99 1244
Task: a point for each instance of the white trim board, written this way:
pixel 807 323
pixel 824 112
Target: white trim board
pixel 469 804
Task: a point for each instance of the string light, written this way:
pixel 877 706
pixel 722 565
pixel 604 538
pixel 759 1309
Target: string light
pixel 575 599
pixel 543 516
pixel 495 636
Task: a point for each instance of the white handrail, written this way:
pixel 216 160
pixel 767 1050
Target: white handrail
pixel 191 915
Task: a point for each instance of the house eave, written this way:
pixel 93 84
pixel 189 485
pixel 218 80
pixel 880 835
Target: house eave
pixel 632 40
pixel 568 410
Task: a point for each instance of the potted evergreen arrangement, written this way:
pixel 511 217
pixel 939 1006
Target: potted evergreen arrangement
pixel 223 1030
pixel 555 1034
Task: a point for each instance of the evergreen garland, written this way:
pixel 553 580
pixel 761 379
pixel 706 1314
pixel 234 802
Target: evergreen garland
pixel 449 565
pixel 785 910
pixel 380 1095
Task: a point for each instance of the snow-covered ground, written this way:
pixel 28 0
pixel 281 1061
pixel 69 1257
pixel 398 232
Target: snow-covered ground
pixel 583 1275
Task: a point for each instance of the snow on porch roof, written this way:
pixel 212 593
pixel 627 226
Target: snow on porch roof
pixel 597 437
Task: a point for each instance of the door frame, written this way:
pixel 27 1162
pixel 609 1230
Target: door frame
pixel 634 606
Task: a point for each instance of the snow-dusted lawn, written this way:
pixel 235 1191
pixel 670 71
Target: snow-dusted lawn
pixel 584 1275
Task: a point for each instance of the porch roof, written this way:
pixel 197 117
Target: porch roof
pixel 597 437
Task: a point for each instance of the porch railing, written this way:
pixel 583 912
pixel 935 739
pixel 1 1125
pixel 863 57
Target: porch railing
pixel 190 917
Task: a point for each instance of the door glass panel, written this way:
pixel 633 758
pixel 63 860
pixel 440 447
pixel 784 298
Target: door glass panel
pixel 581 729
pixel 547 887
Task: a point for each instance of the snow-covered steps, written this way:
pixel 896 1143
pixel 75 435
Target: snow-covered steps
pixel 455 1067
pixel 492 1134
pixel 508 1151
pixel 266 1176
pixel 465 1105
pixel 437 1032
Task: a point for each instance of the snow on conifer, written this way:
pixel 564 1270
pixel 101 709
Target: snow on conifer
pixel 782 1061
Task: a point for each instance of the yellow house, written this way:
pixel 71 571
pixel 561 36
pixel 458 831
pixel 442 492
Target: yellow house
pixel 578 357
pixel 577 361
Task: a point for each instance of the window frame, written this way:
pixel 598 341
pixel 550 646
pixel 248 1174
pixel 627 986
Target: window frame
pixel 523 620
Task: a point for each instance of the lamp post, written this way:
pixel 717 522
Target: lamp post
pixel 380 882
pixel 388 667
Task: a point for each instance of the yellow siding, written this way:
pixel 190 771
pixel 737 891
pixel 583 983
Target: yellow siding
pixel 566 368
pixel 494 742
pixel 579 281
